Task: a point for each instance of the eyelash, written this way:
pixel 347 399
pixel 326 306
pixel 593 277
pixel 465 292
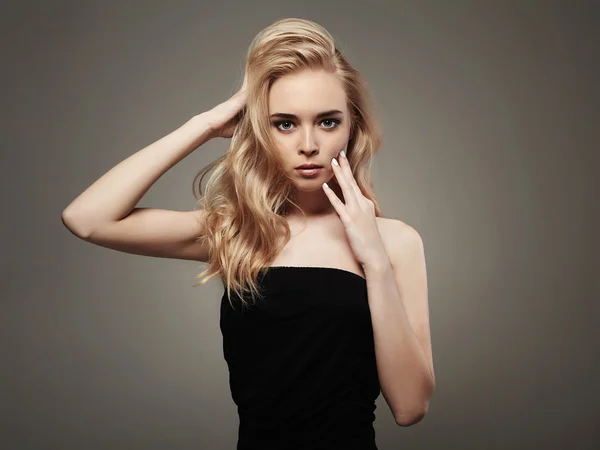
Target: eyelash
pixel 335 121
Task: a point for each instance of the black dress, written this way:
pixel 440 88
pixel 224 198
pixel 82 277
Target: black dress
pixel 302 367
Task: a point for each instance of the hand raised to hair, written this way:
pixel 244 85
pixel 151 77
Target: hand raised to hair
pixel 224 117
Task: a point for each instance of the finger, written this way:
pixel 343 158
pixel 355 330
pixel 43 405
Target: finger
pixel 347 189
pixel 347 170
pixel 333 198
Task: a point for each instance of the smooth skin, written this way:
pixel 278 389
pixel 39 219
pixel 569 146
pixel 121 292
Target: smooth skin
pixel 105 213
pixel 304 137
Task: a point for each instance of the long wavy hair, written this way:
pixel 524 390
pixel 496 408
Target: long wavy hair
pixel 248 194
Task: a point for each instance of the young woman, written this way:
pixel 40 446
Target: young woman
pixel 325 303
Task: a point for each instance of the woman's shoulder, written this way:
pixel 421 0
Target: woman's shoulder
pixel 394 225
pixel 396 233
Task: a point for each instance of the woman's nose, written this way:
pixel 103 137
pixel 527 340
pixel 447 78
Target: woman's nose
pixel 308 141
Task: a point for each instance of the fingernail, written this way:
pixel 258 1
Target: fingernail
pixel 334 161
pixel 343 154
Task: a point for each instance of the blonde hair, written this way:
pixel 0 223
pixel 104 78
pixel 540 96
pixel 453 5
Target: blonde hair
pixel 248 193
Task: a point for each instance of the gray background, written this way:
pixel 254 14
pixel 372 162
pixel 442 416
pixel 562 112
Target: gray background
pixel 490 117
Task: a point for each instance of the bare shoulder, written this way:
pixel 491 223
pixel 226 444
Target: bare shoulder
pixel 399 238
pixel 396 229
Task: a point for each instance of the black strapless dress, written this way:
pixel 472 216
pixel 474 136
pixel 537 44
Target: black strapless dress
pixel 302 367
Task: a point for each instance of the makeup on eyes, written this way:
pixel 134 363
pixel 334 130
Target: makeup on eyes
pixel 336 123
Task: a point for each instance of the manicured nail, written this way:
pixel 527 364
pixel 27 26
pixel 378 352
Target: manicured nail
pixel 334 161
pixel 343 154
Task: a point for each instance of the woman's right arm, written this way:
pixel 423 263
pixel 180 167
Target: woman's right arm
pixel 105 213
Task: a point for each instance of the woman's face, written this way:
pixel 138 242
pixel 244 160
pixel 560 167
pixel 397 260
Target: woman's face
pixel 310 123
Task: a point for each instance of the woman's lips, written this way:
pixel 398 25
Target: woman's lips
pixel 310 172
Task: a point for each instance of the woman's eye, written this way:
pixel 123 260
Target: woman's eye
pixel 334 124
pixel 334 121
pixel 280 123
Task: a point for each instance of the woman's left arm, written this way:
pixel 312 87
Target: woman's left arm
pixel 397 295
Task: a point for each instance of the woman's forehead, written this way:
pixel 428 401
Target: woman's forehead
pixel 306 94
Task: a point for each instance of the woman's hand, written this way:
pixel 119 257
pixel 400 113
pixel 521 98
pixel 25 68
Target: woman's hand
pixel 224 117
pixel 357 214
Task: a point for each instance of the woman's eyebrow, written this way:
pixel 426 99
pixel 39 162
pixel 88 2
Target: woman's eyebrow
pixel 322 114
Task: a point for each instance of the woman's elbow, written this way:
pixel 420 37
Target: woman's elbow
pixel 406 419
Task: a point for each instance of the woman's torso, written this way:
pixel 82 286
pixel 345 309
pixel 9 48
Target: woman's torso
pixel 302 363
